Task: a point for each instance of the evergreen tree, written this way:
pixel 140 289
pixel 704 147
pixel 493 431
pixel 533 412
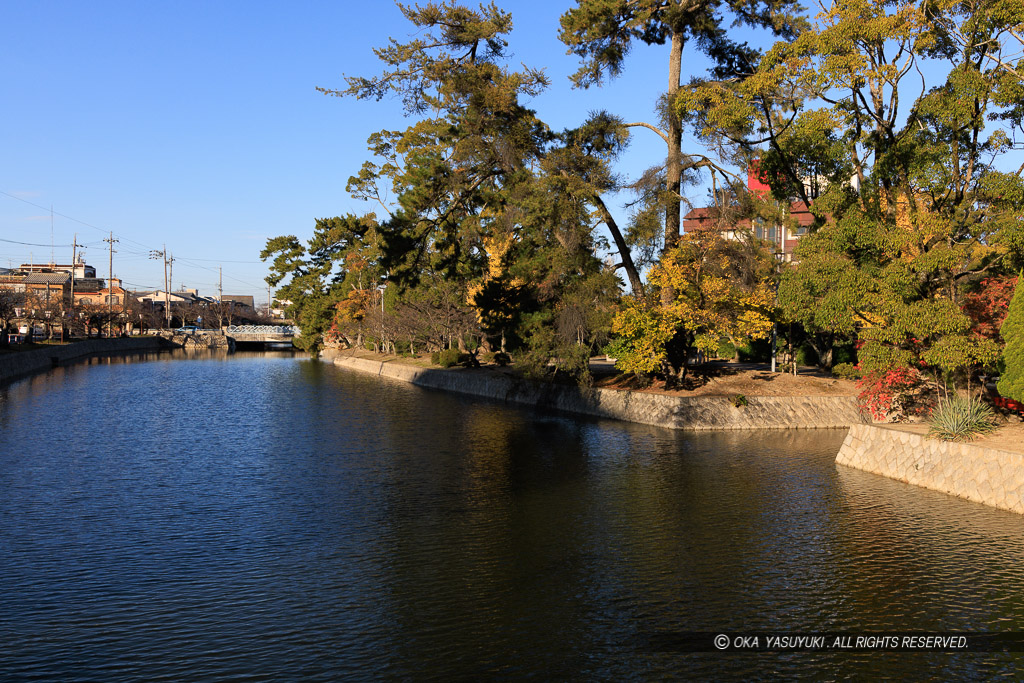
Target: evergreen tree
pixel 1011 382
pixel 315 276
pixel 486 196
pixel 602 32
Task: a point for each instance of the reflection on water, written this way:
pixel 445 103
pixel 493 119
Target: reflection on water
pixel 269 516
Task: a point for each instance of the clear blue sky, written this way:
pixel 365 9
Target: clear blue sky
pixel 197 125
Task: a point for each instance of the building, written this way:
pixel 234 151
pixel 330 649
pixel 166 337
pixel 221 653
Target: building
pixel 92 291
pixel 246 304
pixel 160 298
pixel 783 238
pixel 47 290
pixel 78 270
pixel 67 295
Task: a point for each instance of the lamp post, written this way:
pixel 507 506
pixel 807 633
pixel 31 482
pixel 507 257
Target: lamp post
pixel 380 288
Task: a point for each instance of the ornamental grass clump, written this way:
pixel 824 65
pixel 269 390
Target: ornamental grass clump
pixel 961 419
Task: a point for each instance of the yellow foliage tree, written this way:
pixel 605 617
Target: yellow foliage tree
pixel 722 288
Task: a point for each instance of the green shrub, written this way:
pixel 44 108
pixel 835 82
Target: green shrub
pixel 739 400
pixel 446 358
pixel 844 353
pixel 726 349
pixel 961 419
pixel 496 357
pixel 806 355
pixel 846 371
pixel 755 351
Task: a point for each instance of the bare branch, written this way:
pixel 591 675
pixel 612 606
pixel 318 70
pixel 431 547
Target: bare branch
pixel 664 136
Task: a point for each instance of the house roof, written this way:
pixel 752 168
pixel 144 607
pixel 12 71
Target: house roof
pixel 47 278
pixel 159 295
pixel 240 299
pixel 711 217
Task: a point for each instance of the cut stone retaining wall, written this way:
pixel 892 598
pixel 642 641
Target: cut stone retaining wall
pixel 22 364
pixel 983 475
pixel 674 412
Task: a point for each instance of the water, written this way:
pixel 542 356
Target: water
pixel 269 517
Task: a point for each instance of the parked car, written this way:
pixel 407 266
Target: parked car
pixel 188 329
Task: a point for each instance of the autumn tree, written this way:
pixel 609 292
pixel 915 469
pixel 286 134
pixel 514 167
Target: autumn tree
pixel 721 288
pixel 988 304
pixel 906 168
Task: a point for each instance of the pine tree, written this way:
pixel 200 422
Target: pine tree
pixel 1011 382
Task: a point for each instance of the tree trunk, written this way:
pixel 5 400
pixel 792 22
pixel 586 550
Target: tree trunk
pixel 674 161
pixel 636 285
pixel 824 345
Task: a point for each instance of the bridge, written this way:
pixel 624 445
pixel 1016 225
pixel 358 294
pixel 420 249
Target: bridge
pixel 262 334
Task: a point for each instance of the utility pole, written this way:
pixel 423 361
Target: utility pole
pixel 74 259
pixel 170 265
pixel 220 297
pixel 110 285
pixel 154 254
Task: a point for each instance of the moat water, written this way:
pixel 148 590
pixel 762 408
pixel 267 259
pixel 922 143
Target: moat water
pixel 271 517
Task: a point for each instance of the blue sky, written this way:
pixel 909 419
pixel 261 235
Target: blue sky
pixel 197 125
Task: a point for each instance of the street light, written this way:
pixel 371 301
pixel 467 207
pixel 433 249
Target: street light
pixel 381 288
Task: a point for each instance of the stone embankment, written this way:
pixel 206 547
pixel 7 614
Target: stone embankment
pixel 674 412
pixel 16 365
pixel 983 475
pixel 204 341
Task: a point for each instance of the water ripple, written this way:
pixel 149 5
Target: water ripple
pixel 267 517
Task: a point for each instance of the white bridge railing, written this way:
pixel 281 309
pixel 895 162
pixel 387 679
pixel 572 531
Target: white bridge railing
pixel 279 330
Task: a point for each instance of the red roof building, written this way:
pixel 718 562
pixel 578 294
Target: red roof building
pixel 784 239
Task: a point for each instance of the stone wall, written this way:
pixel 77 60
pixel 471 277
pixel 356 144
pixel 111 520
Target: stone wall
pixel 24 363
pixel 691 413
pixel 983 475
pixel 199 341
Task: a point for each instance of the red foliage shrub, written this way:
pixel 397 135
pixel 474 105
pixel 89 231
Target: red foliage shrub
pixel 988 306
pixel 881 390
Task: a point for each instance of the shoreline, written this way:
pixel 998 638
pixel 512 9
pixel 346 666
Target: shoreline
pixel 690 413
pixel 15 366
pixel 975 472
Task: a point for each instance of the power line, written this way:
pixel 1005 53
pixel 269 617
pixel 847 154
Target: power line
pixel 146 247
pixel 33 244
pixel 38 206
pixel 218 260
